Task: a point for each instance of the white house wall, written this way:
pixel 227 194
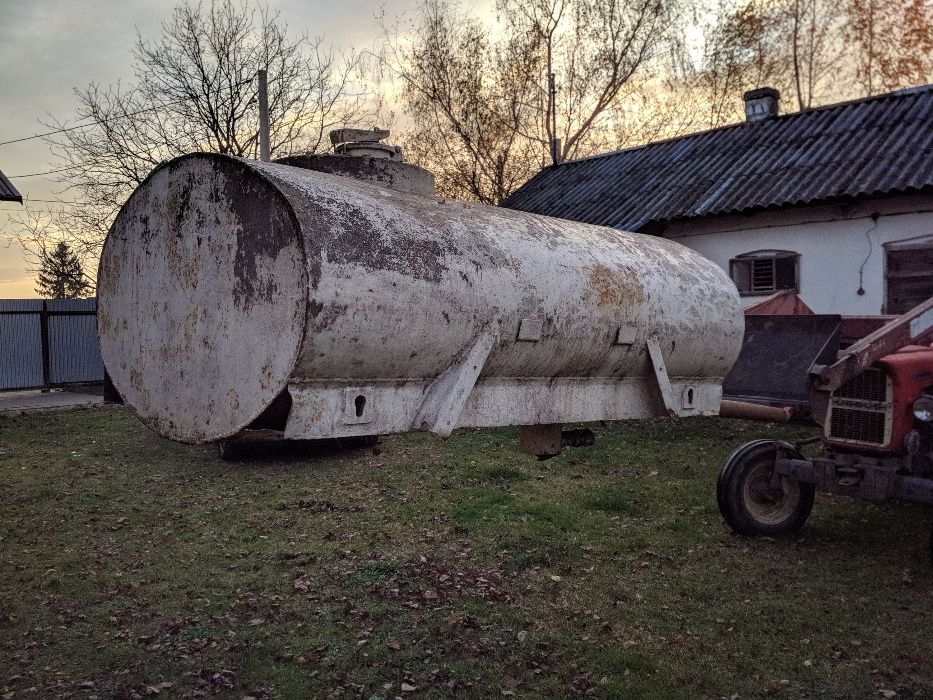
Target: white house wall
pixel 833 243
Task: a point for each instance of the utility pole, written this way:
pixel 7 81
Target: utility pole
pixel 552 118
pixel 263 117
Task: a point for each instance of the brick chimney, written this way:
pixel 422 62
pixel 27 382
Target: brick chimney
pixel 761 104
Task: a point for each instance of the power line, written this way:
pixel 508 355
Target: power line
pixel 48 133
pixel 23 209
pixel 48 172
pixel 27 207
pixel 94 123
pixel 104 121
pixel 28 200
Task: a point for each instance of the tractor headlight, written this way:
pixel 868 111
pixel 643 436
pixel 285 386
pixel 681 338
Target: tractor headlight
pixel 923 409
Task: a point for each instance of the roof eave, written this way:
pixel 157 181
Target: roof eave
pixel 8 193
pixel 750 211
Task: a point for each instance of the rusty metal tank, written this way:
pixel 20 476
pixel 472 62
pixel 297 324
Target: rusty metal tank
pixel 236 294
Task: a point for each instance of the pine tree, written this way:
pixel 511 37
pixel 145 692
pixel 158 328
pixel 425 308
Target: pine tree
pixel 60 274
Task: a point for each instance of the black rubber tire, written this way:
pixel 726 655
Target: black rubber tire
pixel 736 456
pixel 735 487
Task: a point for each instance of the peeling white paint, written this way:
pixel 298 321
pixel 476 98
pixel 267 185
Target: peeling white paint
pixel 396 291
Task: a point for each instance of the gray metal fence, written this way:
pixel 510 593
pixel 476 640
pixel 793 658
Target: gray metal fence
pixel 48 343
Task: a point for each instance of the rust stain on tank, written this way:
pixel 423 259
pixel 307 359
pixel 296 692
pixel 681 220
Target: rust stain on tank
pixel 136 379
pixel 108 274
pixel 615 287
pixel 266 374
pixel 103 322
pixel 264 233
pixel 189 328
pixel 383 246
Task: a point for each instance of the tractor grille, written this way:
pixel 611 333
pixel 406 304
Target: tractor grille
pixel 859 410
pixel 870 385
pixel 857 425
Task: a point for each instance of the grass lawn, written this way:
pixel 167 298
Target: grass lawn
pixel 133 566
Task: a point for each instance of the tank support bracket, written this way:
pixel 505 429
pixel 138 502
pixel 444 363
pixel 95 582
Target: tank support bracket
pixel 668 395
pixel 448 394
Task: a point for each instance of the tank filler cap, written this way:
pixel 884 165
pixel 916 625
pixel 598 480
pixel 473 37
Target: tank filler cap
pixel 364 143
pixel 360 154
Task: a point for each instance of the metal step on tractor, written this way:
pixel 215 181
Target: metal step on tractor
pixel 874 405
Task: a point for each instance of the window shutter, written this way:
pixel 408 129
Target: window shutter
pixel 909 274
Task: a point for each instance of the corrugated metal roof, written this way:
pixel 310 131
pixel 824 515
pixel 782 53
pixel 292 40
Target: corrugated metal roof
pixel 878 145
pixel 8 193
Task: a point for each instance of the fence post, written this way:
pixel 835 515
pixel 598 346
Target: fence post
pixel 46 365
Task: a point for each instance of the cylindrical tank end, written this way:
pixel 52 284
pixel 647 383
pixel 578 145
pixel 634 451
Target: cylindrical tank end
pixel 202 298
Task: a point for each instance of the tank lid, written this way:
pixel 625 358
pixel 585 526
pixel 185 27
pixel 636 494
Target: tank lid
pixel 364 142
pixel 361 155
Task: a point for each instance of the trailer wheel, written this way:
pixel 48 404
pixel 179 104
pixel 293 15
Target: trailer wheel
pixel 748 500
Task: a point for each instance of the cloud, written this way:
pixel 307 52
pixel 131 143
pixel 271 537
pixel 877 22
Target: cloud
pixel 19 287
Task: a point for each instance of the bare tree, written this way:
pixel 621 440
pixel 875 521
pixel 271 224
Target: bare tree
pixel 194 89
pixel 597 51
pixel 471 102
pixel 891 42
pixel 815 48
pixel 741 52
pixel 793 45
pixel 653 109
pixel 485 116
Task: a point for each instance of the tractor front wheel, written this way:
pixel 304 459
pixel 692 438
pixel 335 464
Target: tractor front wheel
pixel 754 500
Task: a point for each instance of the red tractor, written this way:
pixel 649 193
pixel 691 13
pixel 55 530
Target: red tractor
pixel 875 408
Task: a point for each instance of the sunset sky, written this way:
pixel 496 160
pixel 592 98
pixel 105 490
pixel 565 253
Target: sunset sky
pixel 49 47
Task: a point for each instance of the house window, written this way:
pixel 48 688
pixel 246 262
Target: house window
pixel 908 275
pixel 766 271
